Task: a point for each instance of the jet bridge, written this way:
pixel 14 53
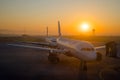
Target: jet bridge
pixel 111 49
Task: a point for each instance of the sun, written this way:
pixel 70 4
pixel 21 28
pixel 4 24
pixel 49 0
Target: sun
pixel 84 27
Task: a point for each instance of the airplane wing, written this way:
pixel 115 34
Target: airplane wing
pixel 52 44
pixel 100 47
pixel 52 50
pixel 37 43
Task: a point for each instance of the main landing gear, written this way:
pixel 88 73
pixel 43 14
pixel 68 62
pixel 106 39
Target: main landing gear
pixel 53 58
pixel 83 71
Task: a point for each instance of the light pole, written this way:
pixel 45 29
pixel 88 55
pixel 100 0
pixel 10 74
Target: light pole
pixel 93 30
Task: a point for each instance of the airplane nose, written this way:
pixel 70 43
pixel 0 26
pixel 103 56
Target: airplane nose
pixel 91 56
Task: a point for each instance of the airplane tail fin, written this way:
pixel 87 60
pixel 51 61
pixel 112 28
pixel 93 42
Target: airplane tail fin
pixel 59 29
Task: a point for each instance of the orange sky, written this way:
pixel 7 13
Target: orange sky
pixel 32 16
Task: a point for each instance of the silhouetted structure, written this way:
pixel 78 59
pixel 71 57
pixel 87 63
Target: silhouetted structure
pixel 93 30
pixel 111 49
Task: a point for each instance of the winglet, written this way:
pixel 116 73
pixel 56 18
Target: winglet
pixel 59 29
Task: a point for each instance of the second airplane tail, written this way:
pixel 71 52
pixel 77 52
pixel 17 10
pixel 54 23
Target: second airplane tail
pixel 59 29
pixel 47 31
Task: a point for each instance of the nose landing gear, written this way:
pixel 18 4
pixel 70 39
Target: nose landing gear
pixel 83 71
pixel 83 66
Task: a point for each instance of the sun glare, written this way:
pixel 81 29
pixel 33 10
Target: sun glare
pixel 84 27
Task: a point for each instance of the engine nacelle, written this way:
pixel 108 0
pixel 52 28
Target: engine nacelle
pixel 99 56
pixel 68 54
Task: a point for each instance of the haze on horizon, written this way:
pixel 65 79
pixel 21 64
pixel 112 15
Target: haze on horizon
pixel 32 16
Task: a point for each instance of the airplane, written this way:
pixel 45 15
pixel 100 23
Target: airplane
pixel 82 50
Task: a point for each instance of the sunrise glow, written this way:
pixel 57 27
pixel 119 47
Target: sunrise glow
pixel 84 27
pixel 76 17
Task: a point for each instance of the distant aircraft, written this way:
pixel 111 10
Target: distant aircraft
pixel 83 50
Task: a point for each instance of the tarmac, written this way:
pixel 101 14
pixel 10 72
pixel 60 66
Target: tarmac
pixel 18 63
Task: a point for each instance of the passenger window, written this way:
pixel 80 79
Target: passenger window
pixel 87 49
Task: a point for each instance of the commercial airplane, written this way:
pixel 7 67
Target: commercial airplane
pixel 82 50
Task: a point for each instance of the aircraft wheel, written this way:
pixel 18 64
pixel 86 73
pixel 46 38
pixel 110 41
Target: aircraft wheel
pixel 53 59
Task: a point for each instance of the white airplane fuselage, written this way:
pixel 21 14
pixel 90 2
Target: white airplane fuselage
pixel 82 50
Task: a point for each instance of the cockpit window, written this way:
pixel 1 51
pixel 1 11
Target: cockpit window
pixel 87 49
